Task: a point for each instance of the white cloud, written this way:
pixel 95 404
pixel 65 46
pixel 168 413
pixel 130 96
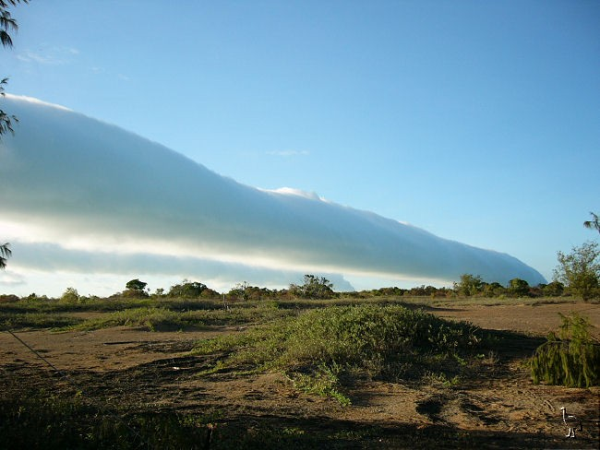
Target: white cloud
pixel 35 101
pixel 296 192
pixel 49 55
pixel 103 200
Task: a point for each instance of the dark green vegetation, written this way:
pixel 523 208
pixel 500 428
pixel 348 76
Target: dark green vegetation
pixel 570 359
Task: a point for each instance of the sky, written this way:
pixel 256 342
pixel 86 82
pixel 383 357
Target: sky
pixel 476 121
pixel 85 197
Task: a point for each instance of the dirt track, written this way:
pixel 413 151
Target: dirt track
pixel 501 409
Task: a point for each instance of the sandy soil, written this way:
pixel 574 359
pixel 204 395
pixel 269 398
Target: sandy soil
pixel 499 409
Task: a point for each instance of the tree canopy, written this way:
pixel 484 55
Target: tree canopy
pixel 580 270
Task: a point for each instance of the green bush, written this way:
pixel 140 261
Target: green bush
pixel 322 348
pixel 570 359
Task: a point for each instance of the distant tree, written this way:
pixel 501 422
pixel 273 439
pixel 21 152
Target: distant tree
pixel 593 224
pixel 70 296
pixel 136 285
pixel 135 289
pixel 493 289
pixel 5 253
pixel 244 291
pixel 469 285
pixel 422 291
pixel 187 289
pixel 313 287
pixel 553 289
pixel 580 270
pixel 518 287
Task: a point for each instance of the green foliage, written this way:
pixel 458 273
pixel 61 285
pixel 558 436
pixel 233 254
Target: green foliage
pixel 570 359
pixel 553 289
pixel 469 285
pixel 134 289
pixel 320 348
pixel 494 289
pixel 70 296
pixel 518 287
pixel 187 289
pixel 580 270
pixel 136 285
pixel 313 287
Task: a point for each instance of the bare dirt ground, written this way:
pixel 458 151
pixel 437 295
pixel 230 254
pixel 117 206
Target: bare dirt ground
pixel 500 409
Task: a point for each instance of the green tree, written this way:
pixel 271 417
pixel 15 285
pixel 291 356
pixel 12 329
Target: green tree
pixel 554 289
pixel 187 289
pixel 5 253
pixel 518 287
pixel 493 289
pixel 313 287
pixel 135 289
pixel 469 285
pixel 580 270
pixel 593 224
pixel 70 296
pixel 136 285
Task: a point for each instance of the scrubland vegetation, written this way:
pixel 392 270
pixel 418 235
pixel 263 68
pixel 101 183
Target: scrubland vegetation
pixel 320 343
pixel 323 343
pixel 323 347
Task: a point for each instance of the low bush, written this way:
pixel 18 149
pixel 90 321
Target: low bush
pixel 321 350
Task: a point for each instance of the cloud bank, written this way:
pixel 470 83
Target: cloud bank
pixel 85 196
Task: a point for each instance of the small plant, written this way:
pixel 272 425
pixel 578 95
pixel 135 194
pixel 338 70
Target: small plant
pixel 570 359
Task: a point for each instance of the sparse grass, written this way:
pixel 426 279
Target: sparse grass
pixel 163 319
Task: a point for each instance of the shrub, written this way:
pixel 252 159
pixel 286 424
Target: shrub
pixel 570 359
pixel 323 348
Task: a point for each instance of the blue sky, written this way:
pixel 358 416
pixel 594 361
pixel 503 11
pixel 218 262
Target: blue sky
pixel 477 121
